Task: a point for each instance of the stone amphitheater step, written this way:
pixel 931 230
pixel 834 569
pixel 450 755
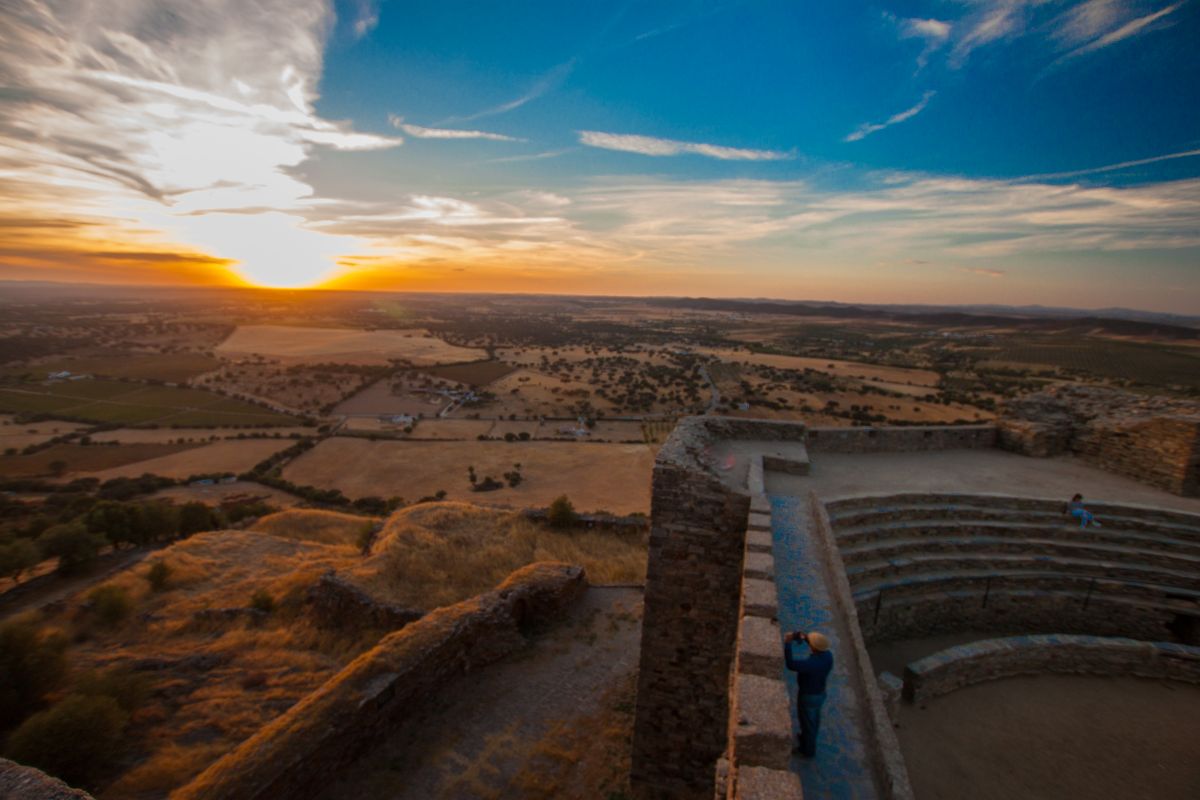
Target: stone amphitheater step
pixel 853 538
pixel 1175 598
pixel 916 565
pixel 861 518
pixel 974 597
pixel 841 507
pixel 890 549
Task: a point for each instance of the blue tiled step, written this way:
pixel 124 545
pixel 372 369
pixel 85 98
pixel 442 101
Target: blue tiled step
pixel 857 536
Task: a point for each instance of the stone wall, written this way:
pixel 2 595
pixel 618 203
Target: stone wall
pixel 692 608
pixel 300 752
pixel 19 782
pixel 900 439
pixel 1155 440
pixel 993 659
pixel 756 762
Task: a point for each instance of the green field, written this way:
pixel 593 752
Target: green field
pixel 474 373
pixel 1146 364
pixel 171 367
pixel 134 404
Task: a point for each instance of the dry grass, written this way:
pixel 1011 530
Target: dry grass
pixel 197 713
pixel 439 553
pixel 230 455
pixel 345 345
pixel 312 525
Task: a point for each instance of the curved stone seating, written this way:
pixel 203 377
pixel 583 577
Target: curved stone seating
pixel 993 659
pixel 990 563
pixel 861 537
pixel 922 564
pixel 888 549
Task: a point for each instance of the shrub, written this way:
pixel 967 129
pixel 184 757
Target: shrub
pixel 31 664
pixel 561 513
pixel 17 556
pixel 262 601
pixel 110 604
pixel 74 740
pixel 195 518
pixel 74 546
pixel 158 575
pixel 129 689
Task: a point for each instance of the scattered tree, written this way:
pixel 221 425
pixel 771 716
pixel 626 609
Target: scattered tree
pixel 16 556
pixel 74 546
pixel 561 513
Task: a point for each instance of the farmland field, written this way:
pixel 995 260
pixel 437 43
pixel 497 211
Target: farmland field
pixel 20 435
pixel 175 367
pixel 344 345
pixel 87 459
pixel 135 404
pixel 613 477
pixel 1143 363
pixel 137 435
pixel 478 373
pixel 232 455
pixel 378 399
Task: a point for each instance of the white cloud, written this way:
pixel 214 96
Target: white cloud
pixel 1129 29
pixel 148 113
pixel 1112 167
pixel 419 132
pixel 867 128
pixel 366 17
pixel 653 146
pixel 934 32
pixel 547 82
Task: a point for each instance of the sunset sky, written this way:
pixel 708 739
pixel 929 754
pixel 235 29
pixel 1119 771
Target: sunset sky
pixel 961 151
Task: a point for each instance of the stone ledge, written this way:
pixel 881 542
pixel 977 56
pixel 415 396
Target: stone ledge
pixel 759 599
pixel 763 734
pixel 759 541
pixel 760 783
pixel 19 782
pixel 759 648
pixel 759 565
pixel 892 688
pixel 759 521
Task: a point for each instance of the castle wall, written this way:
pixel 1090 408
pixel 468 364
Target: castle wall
pixel 899 439
pixel 1163 452
pixel 689 628
pixel 303 750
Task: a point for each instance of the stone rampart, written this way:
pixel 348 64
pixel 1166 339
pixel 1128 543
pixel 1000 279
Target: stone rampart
pixel 300 752
pixel 1155 440
pixel 692 611
pixel 993 659
pixel 900 439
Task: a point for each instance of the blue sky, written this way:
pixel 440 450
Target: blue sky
pixel 1018 151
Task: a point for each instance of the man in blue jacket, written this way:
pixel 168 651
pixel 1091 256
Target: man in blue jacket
pixel 811 673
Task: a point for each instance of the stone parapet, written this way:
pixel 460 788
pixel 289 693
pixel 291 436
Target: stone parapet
pixel 900 439
pixel 301 751
pixel 993 659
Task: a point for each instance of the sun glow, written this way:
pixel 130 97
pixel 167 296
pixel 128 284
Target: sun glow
pixel 271 249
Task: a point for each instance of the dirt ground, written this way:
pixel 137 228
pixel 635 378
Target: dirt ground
pixel 345 345
pixel 1056 737
pixel 379 399
pixel 553 721
pixel 612 477
pixel 86 460
pixel 232 455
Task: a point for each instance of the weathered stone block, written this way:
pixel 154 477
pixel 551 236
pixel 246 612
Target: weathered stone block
pixel 760 566
pixel 763 734
pixel 759 541
pixel 760 783
pixel 760 647
pixel 759 599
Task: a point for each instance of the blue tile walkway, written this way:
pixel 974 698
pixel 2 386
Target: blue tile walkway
pixel 841 768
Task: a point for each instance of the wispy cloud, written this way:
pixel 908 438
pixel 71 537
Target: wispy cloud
pixel 1129 29
pixel 419 132
pixel 983 271
pixel 1076 173
pixel 366 17
pixel 934 32
pixel 168 120
pixel 549 81
pixel 654 146
pixel 531 156
pixel 867 128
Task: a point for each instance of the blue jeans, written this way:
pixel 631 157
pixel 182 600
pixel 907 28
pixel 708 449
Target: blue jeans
pixel 1083 516
pixel 808 711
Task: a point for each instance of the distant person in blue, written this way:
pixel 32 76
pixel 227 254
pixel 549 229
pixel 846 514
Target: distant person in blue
pixel 1075 509
pixel 811 673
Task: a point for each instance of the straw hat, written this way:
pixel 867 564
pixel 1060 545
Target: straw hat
pixel 818 641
